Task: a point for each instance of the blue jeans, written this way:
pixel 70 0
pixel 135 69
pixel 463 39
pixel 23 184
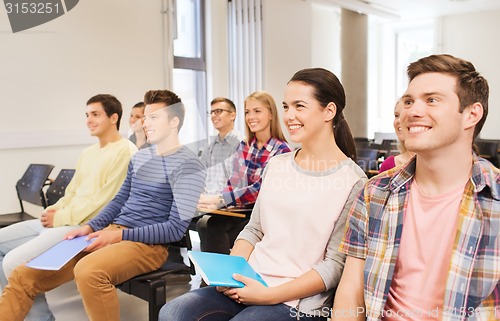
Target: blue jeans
pixel 206 304
pixel 21 242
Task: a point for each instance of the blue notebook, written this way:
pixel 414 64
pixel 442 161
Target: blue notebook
pixel 218 269
pixel 58 255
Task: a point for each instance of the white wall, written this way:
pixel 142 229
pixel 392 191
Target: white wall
pixel 325 37
pixel 217 49
pixel 473 37
pixel 286 43
pixel 217 58
pixel 298 34
pixel 49 72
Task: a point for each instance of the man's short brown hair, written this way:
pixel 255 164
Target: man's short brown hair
pixel 110 104
pixel 170 99
pixel 471 86
pixel 228 101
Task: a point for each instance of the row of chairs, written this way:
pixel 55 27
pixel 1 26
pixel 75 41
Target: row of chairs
pixel 369 153
pixel 387 145
pixel 367 159
pixel 37 188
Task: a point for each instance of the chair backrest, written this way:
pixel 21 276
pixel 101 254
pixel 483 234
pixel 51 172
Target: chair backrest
pixel 152 286
pixel 369 157
pixel 363 162
pixel 361 139
pixel 57 189
pixel 489 150
pixel 393 152
pixel 389 145
pixel 172 265
pixel 361 142
pixel 184 242
pixel 30 187
pixel 360 145
pixel 486 147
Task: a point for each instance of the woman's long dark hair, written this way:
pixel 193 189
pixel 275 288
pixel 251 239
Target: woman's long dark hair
pixel 327 89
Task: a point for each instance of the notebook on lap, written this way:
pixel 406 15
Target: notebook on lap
pixel 218 269
pixel 60 254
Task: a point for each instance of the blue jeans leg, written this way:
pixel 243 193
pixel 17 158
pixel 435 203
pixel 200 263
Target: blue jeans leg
pixel 202 304
pixel 278 312
pixel 40 310
pixel 206 304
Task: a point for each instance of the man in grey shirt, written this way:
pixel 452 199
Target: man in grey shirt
pixel 216 157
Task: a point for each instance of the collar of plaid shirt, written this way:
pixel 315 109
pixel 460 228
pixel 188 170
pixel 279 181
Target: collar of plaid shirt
pixel 473 283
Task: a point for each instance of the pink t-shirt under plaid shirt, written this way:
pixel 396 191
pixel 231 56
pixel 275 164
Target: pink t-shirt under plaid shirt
pixel 418 288
pixel 375 227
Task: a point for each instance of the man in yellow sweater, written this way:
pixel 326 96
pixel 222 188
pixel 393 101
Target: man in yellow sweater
pixel 100 171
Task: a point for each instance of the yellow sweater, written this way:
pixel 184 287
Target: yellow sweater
pixel 99 175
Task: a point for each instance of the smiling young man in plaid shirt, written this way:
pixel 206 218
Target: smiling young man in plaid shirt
pixel 425 237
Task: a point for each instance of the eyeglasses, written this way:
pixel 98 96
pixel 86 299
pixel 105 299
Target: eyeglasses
pixel 218 111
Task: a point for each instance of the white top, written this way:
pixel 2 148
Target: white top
pixel 298 222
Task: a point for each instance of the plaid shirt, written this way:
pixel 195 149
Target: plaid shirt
pixel 374 233
pixel 216 158
pixel 244 184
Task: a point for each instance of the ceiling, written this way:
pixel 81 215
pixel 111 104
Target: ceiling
pixel 419 8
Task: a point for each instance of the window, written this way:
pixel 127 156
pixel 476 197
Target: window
pixel 189 73
pixel 392 47
pixel 412 44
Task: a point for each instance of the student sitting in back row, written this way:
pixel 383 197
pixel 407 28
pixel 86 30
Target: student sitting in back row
pixel 217 155
pixel 136 132
pixel 405 155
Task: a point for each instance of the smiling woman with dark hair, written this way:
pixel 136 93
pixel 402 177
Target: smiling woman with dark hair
pixel 298 220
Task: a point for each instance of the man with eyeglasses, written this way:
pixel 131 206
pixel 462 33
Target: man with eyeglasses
pixel 216 156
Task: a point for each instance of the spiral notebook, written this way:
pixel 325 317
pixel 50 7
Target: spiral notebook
pixel 218 269
pixel 60 254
